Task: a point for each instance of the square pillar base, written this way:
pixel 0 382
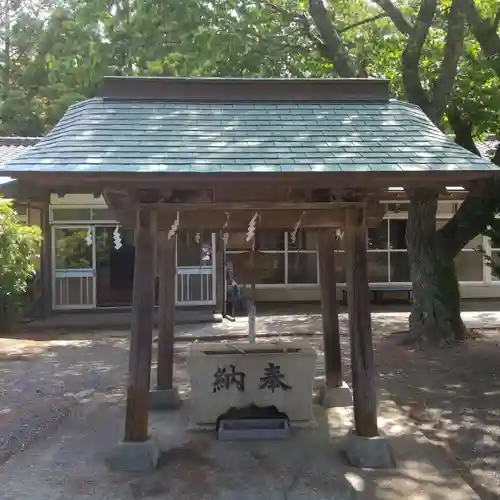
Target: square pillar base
pixel 368 452
pixel 164 399
pixel 332 397
pixel 134 456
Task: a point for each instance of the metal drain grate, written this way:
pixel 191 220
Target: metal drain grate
pixel 253 428
pixel 252 422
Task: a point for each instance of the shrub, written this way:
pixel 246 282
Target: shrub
pixel 19 252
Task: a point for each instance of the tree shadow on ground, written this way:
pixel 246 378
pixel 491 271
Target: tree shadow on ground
pixel 454 395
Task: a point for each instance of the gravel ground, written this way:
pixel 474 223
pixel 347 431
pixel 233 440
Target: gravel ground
pixel 43 380
pixel 456 389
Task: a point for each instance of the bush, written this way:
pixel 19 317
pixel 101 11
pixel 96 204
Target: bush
pixel 19 252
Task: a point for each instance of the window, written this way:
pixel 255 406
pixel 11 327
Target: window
pixel 21 210
pixel 495 255
pixel 398 254
pixel 399 267
pixel 270 258
pixel 378 267
pixel 469 262
pixel 237 243
pixel 270 241
pixel 378 236
pixel 81 214
pixel 397 230
pixel 377 253
pixel 387 255
pixel 279 259
pixel 71 214
pixel 102 214
pixel 192 252
pixel 72 248
pixel 302 257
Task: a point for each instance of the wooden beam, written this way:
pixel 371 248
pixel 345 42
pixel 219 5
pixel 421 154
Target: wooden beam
pixel 360 331
pixel 141 332
pixel 255 206
pixel 371 181
pixel 166 311
pixel 329 310
pixel 238 221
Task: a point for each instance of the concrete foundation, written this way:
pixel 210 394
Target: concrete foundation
pixel 131 456
pixel 369 452
pixel 164 399
pixel 334 397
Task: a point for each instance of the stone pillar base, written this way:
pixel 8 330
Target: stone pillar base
pixel 134 456
pixel 332 397
pixel 369 452
pixel 164 399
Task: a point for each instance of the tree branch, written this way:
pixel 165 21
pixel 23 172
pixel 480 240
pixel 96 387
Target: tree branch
pixel 303 22
pixel 333 47
pixel 414 90
pixel 496 21
pixel 449 67
pixel 462 128
pixel 472 218
pixel 279 9
pixel 397 17
pixel 363 22
pixel 488 39
pixel 307 31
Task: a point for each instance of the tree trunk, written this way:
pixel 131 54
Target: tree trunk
pixel 430 318
pixel 462 128
pixel 449 291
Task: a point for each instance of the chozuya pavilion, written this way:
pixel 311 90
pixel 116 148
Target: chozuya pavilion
pixel 174 155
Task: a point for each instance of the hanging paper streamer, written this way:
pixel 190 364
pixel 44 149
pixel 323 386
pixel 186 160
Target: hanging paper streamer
pixel 88 237
pixel 225 238
pixel 251 227
pixel 226 223
pixel 293 234
pixel 175 226
pixel 197 237
pixel 117 238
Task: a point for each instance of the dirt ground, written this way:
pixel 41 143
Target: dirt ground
pixel 460 387
pixel 453 393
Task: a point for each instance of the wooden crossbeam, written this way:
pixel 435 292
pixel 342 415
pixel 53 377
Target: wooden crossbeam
pixel 257 206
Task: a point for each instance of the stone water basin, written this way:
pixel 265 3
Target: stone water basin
pixel 240 374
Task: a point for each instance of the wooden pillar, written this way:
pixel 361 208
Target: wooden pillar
pixel 331 333
pixel 46 259
pixel 360 331
pixel 141 331
pixel 166 311
pixel 220 277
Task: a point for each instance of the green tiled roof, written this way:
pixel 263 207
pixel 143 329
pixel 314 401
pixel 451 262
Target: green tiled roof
pixel 106 135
